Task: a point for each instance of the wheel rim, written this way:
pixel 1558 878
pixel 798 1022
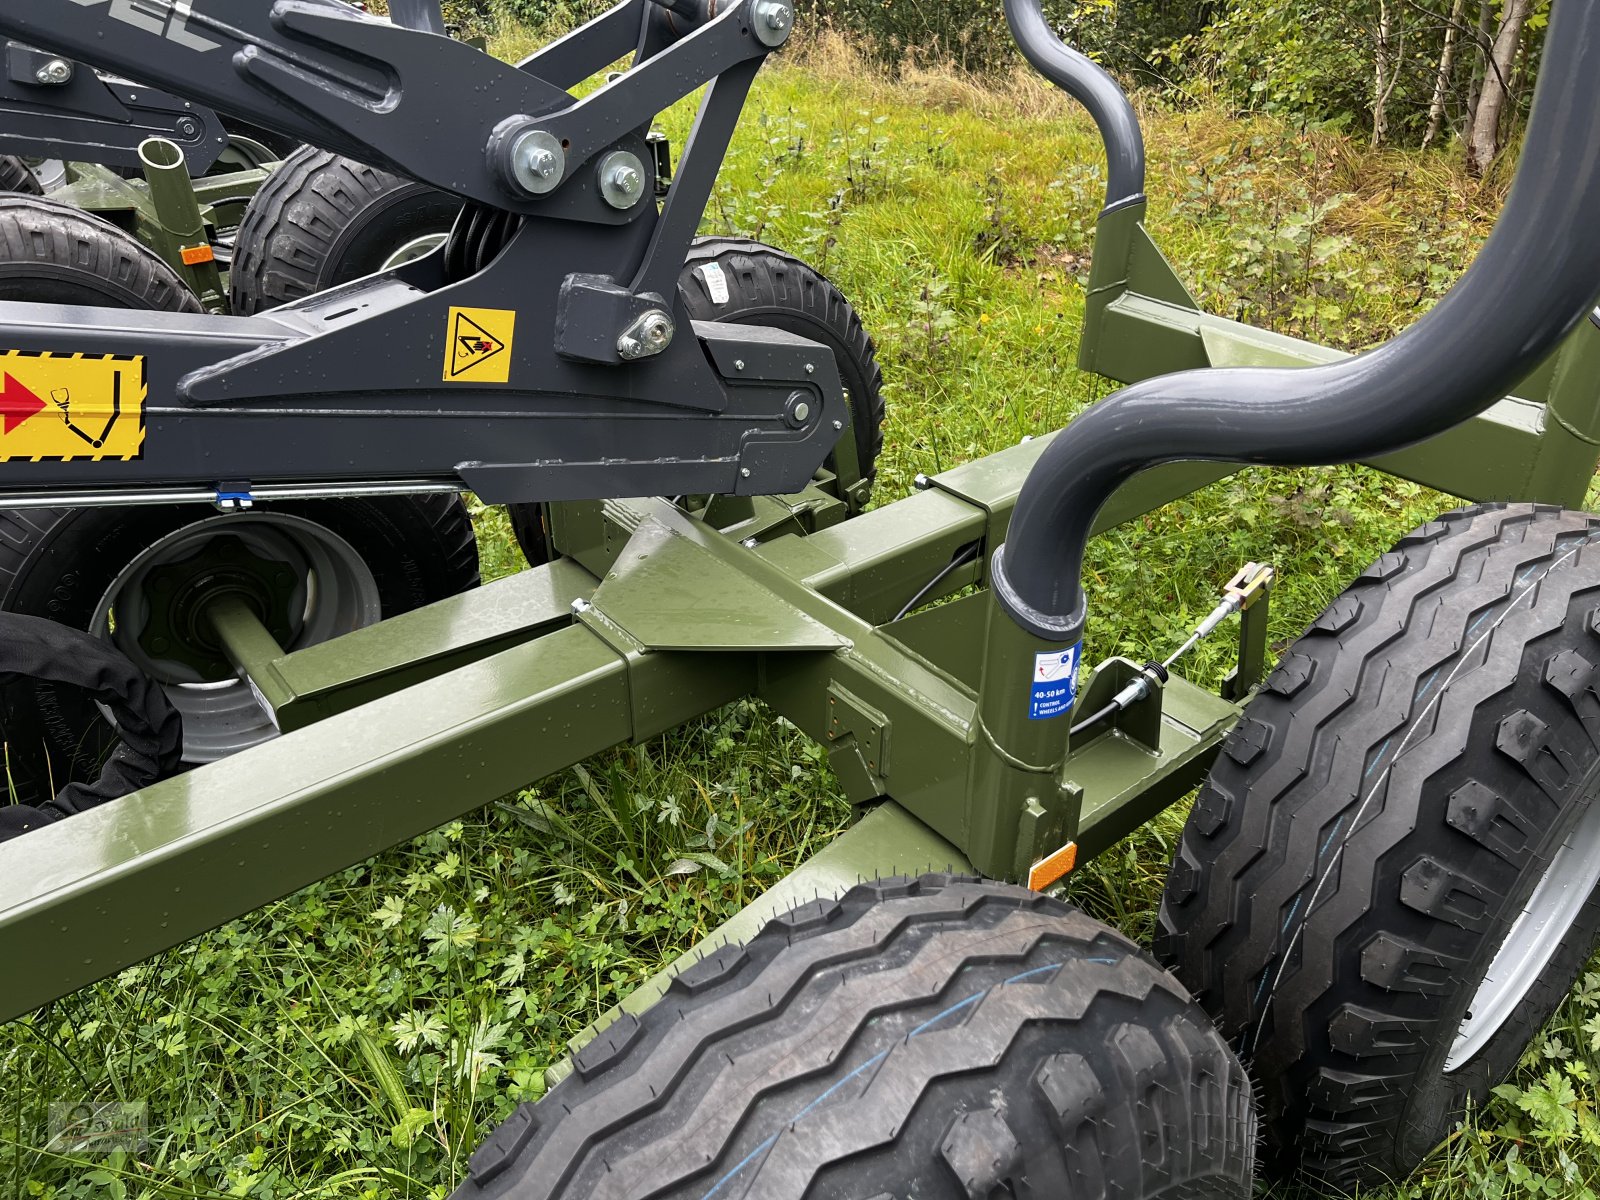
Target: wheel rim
pixel 246 154
pixel 331 591
pixel 416 248
pixel 1533 939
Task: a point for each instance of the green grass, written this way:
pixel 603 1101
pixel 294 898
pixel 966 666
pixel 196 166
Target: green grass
pixel 357 1038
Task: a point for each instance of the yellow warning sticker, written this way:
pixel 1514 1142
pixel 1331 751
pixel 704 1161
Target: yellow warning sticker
pixel 62 407
pixel 478 345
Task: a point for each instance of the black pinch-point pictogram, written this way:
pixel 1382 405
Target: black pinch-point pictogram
pixel 62 399
pixel 474 345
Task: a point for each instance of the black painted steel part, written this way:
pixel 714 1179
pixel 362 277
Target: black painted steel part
pixel 1536 278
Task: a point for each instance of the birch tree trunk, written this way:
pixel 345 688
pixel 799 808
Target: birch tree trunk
pixel 1383 72
pixel 1441 81
pixel 1484 141
pixel 1483 43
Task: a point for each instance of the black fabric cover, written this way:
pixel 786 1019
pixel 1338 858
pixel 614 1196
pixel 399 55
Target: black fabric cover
pixel 151 731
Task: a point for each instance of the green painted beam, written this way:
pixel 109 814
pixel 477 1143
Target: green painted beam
pixel 88 896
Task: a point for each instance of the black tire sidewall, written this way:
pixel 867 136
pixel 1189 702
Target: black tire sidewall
pixel 858 376
pixel 58 564
pixel 79 259
pixel 38 283
pixel 381 228
pixel 17 176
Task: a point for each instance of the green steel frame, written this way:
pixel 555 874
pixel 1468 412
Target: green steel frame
pixel 168 211
pixel 654 615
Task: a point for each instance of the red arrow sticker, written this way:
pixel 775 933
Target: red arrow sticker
pixel 17 403
pixel 71 406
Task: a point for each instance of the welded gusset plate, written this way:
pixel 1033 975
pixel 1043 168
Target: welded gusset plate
pixel 659 593
pixel 87 118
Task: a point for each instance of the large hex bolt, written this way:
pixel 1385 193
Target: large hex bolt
pixel 650 334
pixel 771 21
pixel 621 179
pixel 529 160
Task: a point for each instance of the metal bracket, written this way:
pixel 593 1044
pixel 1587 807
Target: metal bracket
pixel 1252 665
pixel 858 744
pixel 52 107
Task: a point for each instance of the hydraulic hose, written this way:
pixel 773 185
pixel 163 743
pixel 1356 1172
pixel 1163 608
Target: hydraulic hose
pixel 1086 82
pixel 1534 281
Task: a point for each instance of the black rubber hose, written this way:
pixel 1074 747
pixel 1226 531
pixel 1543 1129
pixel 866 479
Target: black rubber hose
pixel 1088 83
pixel 150 728
pixel 1533 282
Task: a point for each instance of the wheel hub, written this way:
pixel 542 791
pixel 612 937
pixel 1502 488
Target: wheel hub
pixel 303 582
pixel 179 594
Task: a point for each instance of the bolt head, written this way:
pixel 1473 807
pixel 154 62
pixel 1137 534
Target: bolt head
pixel 540 161
pixel 622 179
pixel 744 472
pixel 738 364
pixel 627 181
pixel 838 424
pixel 771 21
pixel 649 334
pixel 56 71
pixel 537 162
pixel 811 368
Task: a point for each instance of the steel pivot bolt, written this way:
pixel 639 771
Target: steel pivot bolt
pixel 621 179
pixel 537 162
pixel 55 72
pixel 771 21
pixel 650 334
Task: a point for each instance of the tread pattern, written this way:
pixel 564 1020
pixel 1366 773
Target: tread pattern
pixel 767 282
pixel 52 252
pixel 288 243
pixel 15 176
pixel 934 1038
pixel 1376 821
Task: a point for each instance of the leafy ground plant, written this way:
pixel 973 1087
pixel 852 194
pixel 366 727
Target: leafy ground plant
pixel 357 1038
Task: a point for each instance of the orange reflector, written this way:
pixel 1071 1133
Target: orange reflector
pixel 193 256
pixel 1047 870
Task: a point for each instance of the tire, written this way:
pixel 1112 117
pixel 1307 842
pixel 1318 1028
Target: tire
pixel 1377 823
pixel 770 288
pixel 17 176
pixel 60 563
pixel 931 1038
pixel 52 253
pixel 322 220
pixel 767 287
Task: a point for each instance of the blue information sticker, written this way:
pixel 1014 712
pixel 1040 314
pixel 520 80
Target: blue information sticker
pixel 1054 686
